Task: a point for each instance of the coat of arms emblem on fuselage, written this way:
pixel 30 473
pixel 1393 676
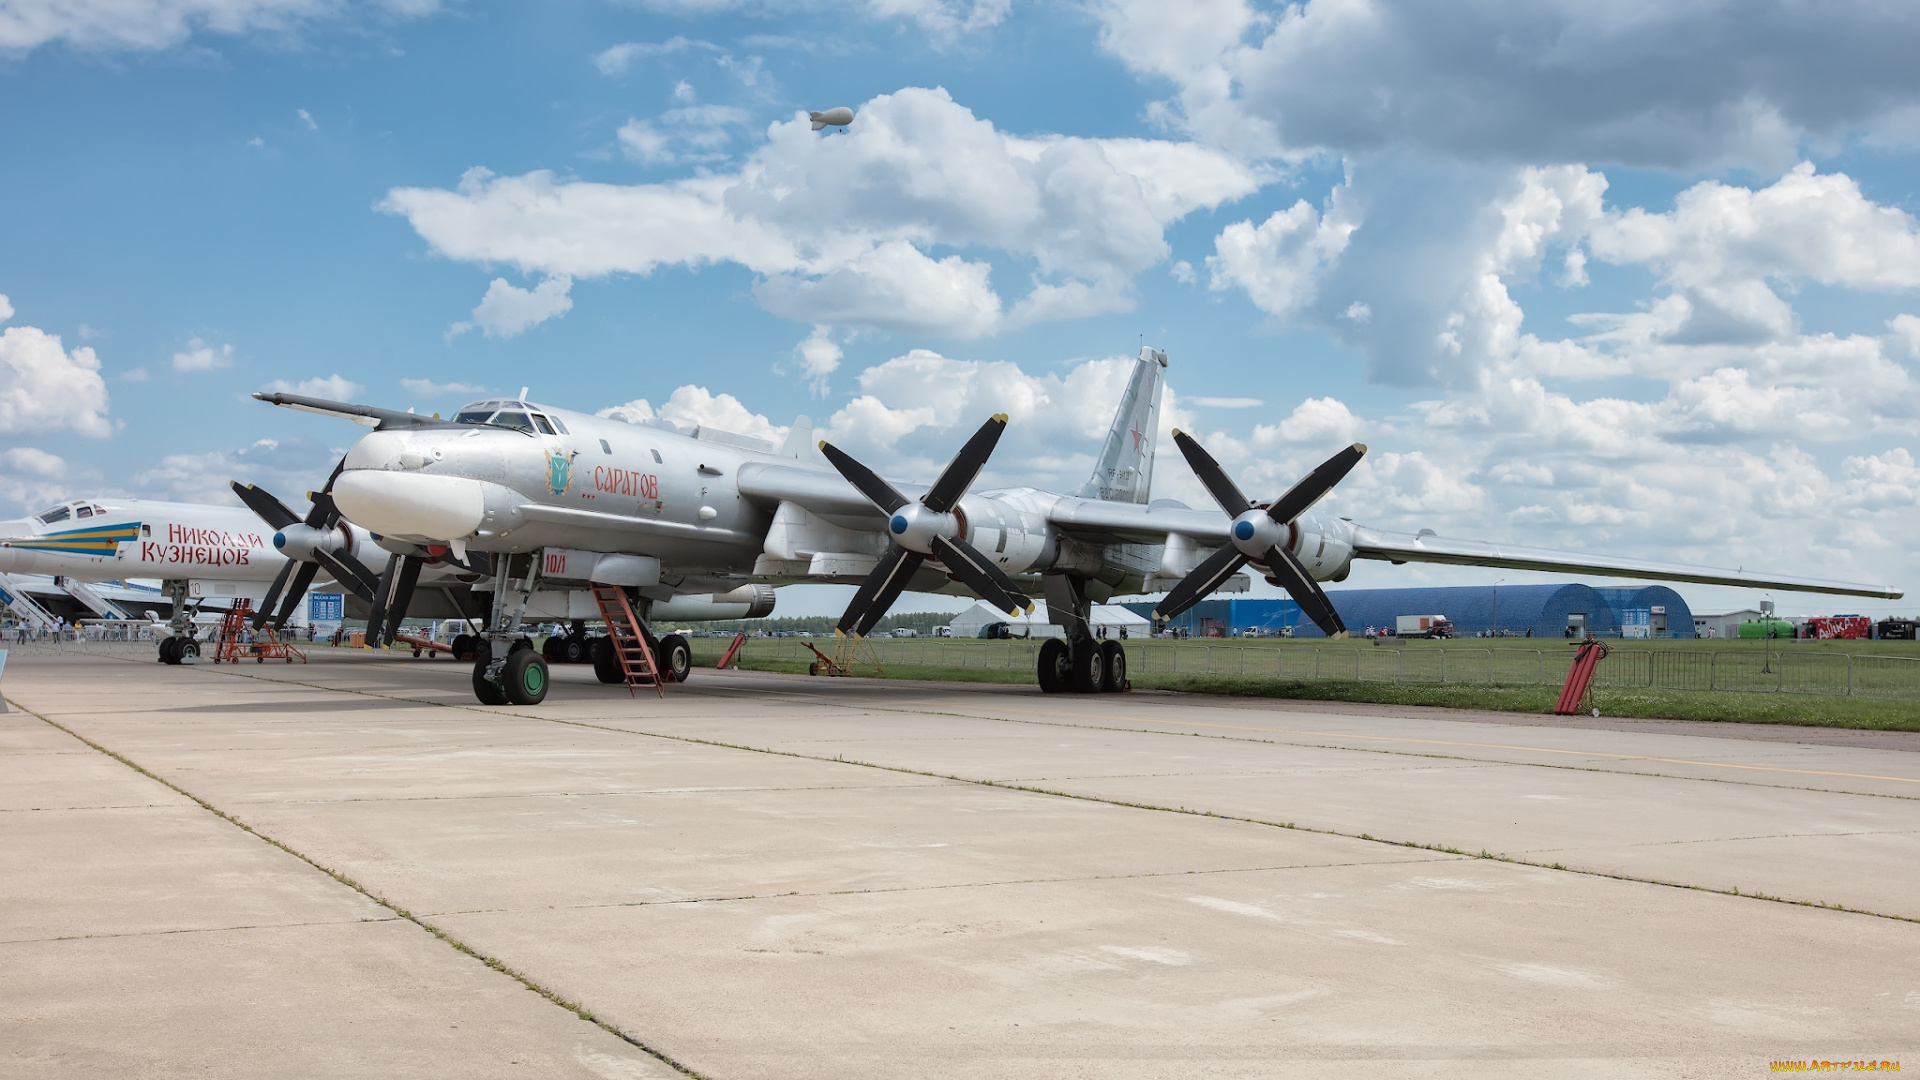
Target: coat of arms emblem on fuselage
pixel 559 471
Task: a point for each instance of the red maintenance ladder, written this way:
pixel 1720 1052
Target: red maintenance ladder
pixel 265 646
pixel 629 643
pixel 1577 695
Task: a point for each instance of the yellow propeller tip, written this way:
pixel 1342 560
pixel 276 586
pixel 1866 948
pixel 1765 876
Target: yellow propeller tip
pixel 823 444
pixel 1360 446
pixel 1177 433
pixel 1000 416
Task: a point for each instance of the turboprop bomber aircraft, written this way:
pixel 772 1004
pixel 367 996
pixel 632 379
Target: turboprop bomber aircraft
pixel 567 500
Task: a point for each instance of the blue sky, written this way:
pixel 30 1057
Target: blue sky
pixel 1639 280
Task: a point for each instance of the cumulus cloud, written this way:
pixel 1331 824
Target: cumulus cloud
pixel 509 311
pixel 114 25
pixel 819 357
pixel 690 134
pixel 871 229
pixel 287 467
pixel 44 387
pixel 429 388
pixel 690 407
pixel 330 387
pixel 200 356
pixel 34 462
pixel 1691 83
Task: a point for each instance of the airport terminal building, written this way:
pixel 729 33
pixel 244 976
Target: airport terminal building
pixel 1522 610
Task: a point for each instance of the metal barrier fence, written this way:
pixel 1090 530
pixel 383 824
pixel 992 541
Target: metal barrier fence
pixel 1746 671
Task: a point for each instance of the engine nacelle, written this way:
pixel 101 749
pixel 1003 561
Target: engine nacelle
pixel 1324 545
pixel 1010 528
pixel 299 541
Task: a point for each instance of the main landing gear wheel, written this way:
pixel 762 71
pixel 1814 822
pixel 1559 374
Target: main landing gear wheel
pixel 187 651
pixel 488 691
pixel 1056 666
pixel 1089 668
pixel 169 650
pixel 554 649
pixel 1115 658
pixel 675 657
pixel 576 649
pixel 524 677
pixel 606 663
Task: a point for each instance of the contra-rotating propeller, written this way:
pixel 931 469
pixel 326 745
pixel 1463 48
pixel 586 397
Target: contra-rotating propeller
pixel 310 544
pixel 925 529
pixel 1258 535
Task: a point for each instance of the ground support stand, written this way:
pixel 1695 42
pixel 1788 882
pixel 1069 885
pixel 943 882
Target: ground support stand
pixel 1577 695
pixel 848 650
pixel 231 647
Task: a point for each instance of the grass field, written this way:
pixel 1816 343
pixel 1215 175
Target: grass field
pixel 1873 685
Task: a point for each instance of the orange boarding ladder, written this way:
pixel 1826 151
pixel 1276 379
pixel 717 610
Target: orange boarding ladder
pixel 629 644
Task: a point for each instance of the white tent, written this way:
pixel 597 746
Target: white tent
pixel 1111 618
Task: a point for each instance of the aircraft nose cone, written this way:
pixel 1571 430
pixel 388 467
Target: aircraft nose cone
pixel 411 504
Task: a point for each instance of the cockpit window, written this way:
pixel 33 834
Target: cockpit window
pixel 58 513
pixel 83 511
pixel 505 418
pixel 541 423
pixel 557 425
pixel 473 416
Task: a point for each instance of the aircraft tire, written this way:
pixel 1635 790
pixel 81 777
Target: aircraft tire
pixel 169 650
pixel 488 691
pixel 524 678
pixel 1089 668
pixel 675 658
pixel 554 649
pixel 1056 666
pixel 188 647
pixel 462 645
pixel 576 650
pixel 606 666
pixel 1116 663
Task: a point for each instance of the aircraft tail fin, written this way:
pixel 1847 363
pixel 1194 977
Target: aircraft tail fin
pixel 799 438
pixel 1125 468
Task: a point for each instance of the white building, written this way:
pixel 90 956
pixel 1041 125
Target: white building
pixel 969 623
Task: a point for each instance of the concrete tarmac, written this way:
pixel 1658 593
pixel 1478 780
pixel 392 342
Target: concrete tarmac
pixel 348 868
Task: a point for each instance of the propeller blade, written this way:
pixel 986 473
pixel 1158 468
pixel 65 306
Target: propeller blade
pixel 960 472
pixel 273 595
pixel 1315 485
pixel 1224 490
pixel 401 595
pixel 323 513
pixel 1205 578
pixel 350 572
pixel 980 575
pixel 1291 576
pixel 377 609
pixel 271 510
pixel 301 582
pixel 879 591
pixel 865 480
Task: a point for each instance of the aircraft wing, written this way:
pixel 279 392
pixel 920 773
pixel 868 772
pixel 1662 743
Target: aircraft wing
pixel 1426 547
pixel 365 415
pixel 1100 521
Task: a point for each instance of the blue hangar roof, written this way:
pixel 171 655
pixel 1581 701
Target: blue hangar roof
pixel 1543 609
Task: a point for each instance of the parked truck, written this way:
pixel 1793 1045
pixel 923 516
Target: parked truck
pixel 1425 626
